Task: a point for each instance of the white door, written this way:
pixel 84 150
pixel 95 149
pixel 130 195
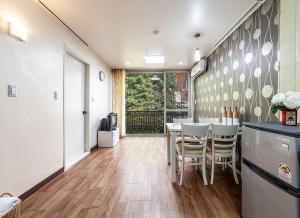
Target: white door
pixel 74 105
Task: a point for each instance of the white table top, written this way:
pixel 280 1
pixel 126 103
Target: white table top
pixel 176 127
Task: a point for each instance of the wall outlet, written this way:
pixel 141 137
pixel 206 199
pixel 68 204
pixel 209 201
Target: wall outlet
pixel 12 91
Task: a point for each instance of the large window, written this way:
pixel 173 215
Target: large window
pixel 154 98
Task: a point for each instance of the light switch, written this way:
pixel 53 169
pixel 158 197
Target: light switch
pixel 12 91
pixel 56 97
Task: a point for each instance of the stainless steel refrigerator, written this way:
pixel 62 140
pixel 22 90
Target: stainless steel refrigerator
pixel 270 171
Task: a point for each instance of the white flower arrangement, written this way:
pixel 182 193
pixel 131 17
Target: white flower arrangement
pixel 281 101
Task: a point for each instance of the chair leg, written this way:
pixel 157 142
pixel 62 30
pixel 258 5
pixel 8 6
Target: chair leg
pixel 198 161
pixel 223 161
pixel 177 162
pixel 182 169
pixel 212 170
pixel 204 171
pixel 234 169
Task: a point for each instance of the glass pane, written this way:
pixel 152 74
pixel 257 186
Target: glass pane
pixel 177 90
pixel 144 91
pixel 144 103
pixel 176 114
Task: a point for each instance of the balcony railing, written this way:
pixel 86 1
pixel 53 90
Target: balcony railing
pixel 150 122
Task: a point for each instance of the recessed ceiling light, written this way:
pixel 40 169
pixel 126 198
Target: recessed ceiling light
pixel 180 63
pixel 155 59
pixel 128 63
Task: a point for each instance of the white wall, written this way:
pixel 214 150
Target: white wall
pixel 289 78
pixel 288 45
pixel 31 125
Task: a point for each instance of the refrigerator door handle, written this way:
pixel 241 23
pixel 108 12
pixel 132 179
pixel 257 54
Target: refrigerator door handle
pixel 272 179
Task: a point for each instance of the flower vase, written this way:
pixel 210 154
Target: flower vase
pixel 289 117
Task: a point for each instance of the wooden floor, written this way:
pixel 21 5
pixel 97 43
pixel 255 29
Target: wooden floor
pixel 132 180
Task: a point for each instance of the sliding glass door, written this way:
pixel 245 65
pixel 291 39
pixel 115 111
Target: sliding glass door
pixel 144 103
pixel 154 99
pixel 177 94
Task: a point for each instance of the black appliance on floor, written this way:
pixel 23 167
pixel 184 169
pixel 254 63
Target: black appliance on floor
pixel 109 123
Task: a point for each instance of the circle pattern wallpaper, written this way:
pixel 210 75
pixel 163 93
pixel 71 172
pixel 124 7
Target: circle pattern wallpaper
pixel 243 70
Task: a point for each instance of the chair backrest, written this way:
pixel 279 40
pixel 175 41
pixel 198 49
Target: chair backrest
pixel 224 130
pixel 224 135
pixel 200 131
pixel 184 120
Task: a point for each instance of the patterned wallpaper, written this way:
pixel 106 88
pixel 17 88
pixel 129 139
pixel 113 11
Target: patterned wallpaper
pixel 243 70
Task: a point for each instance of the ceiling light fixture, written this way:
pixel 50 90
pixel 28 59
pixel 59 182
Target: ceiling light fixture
pixel 197 51
pixel 128 63
pixel 197 55
pixel 180 63
pixel 155 59
pixel 14 29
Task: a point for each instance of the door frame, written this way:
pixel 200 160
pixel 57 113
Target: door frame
pixel 69 52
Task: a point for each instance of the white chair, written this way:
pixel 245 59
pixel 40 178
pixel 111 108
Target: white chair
pixel 180 122
pixel 196 150
pixel 223 147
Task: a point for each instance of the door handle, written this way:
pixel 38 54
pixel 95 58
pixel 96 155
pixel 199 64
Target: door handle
pixel 84 112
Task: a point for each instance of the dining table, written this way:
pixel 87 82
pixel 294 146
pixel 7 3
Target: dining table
pixel 174 131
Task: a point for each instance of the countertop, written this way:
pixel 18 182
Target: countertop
pixel 275 127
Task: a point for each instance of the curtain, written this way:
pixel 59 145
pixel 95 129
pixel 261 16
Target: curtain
pixel 119 98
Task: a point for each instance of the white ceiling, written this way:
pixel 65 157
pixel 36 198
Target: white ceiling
pixel 120 31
